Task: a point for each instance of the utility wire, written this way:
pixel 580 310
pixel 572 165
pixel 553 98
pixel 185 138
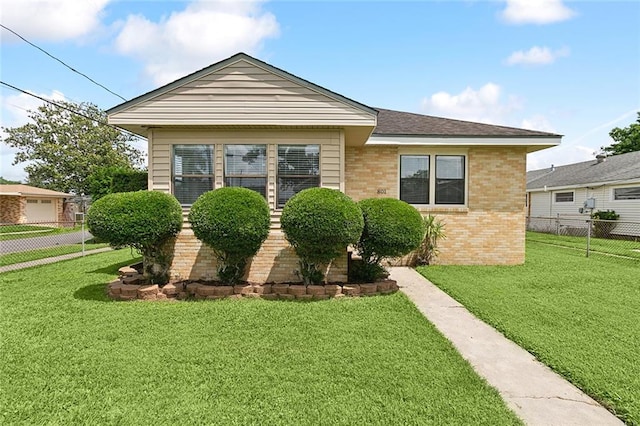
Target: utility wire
pixel 62 62
pixel 49 101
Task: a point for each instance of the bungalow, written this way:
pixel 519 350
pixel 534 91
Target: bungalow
pixel 243 122
pixel 575 190
pixel 29 204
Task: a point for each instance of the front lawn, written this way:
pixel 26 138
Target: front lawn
pixel 70 356
pixel 580 316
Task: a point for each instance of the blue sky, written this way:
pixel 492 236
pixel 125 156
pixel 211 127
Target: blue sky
pixel 566 67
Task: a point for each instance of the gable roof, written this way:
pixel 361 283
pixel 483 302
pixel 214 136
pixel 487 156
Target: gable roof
pixel 226 62
pixel 398 123
pixel 27 190
pixel 617 168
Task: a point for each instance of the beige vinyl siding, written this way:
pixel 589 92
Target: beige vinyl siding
pixel 243 94
pixel 329 141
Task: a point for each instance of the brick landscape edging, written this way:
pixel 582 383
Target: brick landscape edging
pixel 128 287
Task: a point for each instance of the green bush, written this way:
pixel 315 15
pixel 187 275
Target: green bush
pixel 129 180
pixel 320 223
pixel 234 222
pixel 392 228
pixel 602 228
pixel 112 179
pixel 144 220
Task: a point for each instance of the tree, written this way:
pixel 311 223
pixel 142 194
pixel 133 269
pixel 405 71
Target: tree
pixel 4 181
pixel 627 138
pixel 63 148
pixel 108 180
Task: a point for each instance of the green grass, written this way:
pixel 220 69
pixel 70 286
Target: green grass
pixel 580 316
pixel 27 256
pixel 17 232
pixel 70 356
pixel 597 245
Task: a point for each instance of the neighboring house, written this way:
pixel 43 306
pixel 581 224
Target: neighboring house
pixel 28 204
pixel 243 122
pixel 612 183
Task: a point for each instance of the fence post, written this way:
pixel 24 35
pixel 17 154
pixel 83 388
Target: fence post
pixel 557 223
pixel 83 236
pixel 588 235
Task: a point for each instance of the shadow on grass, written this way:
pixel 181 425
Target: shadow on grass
pixel 113 269
pixel 95 292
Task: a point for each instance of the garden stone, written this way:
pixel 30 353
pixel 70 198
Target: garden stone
pixel 262 289
pixel 332 289
pixel 169 290
pixel 297 290
pixel 316 290
pixel 280 288
pixel 351 290
pixel 368 288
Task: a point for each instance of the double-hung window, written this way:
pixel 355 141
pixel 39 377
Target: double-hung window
pixel 192 171
pixel 564 197
pixel 433 179
pixel 298 169
pixel 450 179
pixel 414 179
pixel 246 166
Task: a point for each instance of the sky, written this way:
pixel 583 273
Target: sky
pixel 567 67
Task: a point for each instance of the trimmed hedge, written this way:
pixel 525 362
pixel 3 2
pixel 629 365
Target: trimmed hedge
pixel 144 220
pixel 320 223
pixel 392 228
pixel 234 222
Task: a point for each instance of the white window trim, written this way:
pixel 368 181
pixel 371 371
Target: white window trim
pixel 555 193
pixel 275 176
pixel 172 165
pixel 432 175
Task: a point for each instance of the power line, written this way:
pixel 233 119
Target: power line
pixel 62 62
pixel 66 108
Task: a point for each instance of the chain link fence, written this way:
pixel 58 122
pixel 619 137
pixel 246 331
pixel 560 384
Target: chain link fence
pixel 611 238
pixel 35 243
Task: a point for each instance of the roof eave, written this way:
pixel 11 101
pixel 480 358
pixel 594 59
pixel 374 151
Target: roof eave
pixel 532 143
pixel 584 185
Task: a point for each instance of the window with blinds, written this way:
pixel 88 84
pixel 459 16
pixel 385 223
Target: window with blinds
pixel 450 182
pixel 246 166
pixel 298 169
pixel 192 172
pixel 414 179
pixel 631 193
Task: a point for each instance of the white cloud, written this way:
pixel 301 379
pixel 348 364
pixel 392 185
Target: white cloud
pixel 201 34
pixel 536 12
pixel 485 105
pixel 51 20
pixel 536 56
pixel 538 122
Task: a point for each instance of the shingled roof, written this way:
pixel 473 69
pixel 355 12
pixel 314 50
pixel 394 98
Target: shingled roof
pixel 24 190
pixel 617 168
pixel 398 123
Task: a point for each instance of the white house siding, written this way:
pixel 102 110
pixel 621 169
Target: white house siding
pixel 243 94
pixel 330 153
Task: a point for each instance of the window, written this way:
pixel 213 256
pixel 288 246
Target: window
pixel 414 179
pixel 298 169
pixel 32 201
pixel 450 179
pixel 246 166
pixel 564 197
pixel 631 193
pixel 433 179
pixel 45 201
pixel 192 171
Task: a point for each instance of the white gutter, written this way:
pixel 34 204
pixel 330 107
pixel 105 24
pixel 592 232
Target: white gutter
pixel 584 185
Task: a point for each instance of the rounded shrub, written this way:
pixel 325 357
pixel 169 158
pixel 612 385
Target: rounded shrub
pixel 234 222
pixel 143 220
pixel 392 228
pixel 320 223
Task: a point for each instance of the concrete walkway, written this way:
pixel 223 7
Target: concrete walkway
pixel 535 393
pixel 16 266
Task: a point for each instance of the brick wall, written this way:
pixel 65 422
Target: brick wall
pixel 489 231
pixel 275 262
pixel 12 209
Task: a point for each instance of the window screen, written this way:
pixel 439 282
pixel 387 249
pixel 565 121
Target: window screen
pixel 564 197
pixel 632 193
pixel 414 179
pixel 298 169
pixel 192 171
pixel 450 178
pixel 246 166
